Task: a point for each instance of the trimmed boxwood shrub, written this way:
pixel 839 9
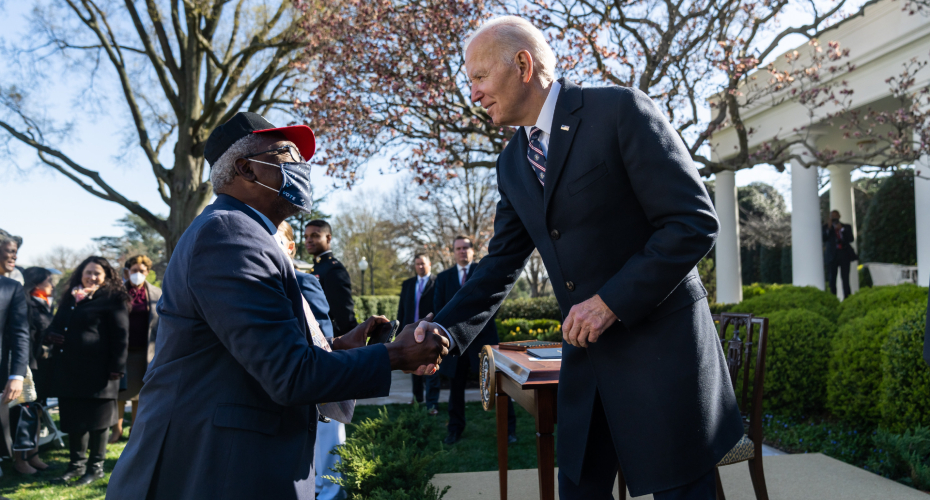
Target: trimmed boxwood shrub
pixel 390 459
pixel 757 289
pixel 791 297
pixel 796 361
pixel 880 297
pixel 889 231
pixel 529 329
pixel 905 390
pixel 376 305
pixel 855 373
pixel 530 308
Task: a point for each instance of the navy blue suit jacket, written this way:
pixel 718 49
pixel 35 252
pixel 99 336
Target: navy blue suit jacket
pixel 228 406
pixel 624 215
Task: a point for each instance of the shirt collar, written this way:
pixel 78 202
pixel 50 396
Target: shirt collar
pixel 544 120
pixel 324 253
pixel 462 268
pixel 266 220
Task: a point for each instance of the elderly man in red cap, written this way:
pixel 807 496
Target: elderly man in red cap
pixel 241 370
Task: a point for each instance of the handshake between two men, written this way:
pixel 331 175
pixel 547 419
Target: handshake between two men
pixel 419 348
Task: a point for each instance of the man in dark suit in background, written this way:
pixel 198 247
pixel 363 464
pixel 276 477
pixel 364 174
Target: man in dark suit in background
pixel 238 368
pixel 14 339
pixel 448 283
pixel 318 238
pixel 416 301
pixel 601 184
pixel 838 251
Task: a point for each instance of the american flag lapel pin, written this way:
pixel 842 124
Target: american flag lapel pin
pixel 565 128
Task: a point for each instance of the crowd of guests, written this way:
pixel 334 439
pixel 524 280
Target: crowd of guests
pixel 88 347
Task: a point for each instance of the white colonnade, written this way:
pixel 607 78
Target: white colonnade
pixel 729 271
pixel 806 239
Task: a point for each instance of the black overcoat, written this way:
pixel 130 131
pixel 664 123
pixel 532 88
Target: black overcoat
pixel 96 332
pixel 830 240
pixel 623 215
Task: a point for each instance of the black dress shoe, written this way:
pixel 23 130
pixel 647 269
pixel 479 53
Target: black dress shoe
pixel 94 474
pixel 452 437
pixel 72 472
pixel 511 438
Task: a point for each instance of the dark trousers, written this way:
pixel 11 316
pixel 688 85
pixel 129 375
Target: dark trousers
pixel 457 399
pixel 600 467
pixel 432 389
pixel 841 263
pixel 78 444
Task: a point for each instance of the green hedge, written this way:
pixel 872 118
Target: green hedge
pixel 390 459
pixel 903 457
pixel 889 230
pixel 376 305
pixel 757 289
pixel 529 329
pixel 791 297
pixel 855 375
pixel 796 361
pixel 880 297
pixel 905 385
pixel 530 308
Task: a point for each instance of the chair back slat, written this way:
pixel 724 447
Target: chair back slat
pixel 743 338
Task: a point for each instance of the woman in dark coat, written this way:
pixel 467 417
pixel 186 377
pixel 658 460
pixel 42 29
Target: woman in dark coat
pixel 38 288
pixel 143 324
pixel 90 334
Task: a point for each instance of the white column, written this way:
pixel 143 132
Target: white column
pixel 842 198
pixel 806 240
pixel 729 273
pixel 922 209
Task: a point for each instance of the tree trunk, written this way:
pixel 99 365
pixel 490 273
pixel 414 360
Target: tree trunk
pixel 189 193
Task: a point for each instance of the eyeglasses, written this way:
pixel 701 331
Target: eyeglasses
pixel 284 150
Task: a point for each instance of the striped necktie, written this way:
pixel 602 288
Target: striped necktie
pixel 536 156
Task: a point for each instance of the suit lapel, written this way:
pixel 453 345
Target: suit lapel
pixel 560 140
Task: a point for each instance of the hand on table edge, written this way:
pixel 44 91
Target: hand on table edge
pixel 587 321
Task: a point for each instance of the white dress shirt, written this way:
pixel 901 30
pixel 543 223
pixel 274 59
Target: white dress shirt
pixel 544 120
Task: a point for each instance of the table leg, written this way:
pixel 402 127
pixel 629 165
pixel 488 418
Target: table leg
pixel 545 442
pixel 501 412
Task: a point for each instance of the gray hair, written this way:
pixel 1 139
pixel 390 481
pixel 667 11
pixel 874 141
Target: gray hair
pixel 223 171
pixel 513 34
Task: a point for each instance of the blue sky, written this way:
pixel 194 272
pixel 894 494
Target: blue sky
pixel 49 210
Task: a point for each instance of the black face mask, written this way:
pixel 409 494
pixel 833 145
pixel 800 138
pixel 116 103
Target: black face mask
pixel 295 184
pixel 836 221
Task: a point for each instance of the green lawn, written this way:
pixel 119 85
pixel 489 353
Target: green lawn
pixel 477 451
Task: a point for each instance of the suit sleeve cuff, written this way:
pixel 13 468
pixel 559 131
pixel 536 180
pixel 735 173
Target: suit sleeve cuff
pixel 451 340
pixel 17 377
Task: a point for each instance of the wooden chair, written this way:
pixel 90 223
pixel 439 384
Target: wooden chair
pixel 750 336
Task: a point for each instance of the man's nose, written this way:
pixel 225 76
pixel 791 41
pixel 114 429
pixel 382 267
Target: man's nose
pixel 476 94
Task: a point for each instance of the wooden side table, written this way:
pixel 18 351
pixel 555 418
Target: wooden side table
pixel 533 385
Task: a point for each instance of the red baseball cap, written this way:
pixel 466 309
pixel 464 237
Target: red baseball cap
pixel 301 135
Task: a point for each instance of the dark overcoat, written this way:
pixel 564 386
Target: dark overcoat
pixel 228 406
pixel 96 332
pixel 623 215
pixel 311 289
pixel 406 306
pixel 153 295
pixel 447 285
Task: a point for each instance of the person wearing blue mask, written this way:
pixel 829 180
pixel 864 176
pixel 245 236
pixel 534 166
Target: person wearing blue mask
pixel 241 367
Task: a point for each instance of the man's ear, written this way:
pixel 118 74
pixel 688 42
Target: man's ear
pixel 524 63
pixel 244 168
pixel 329 238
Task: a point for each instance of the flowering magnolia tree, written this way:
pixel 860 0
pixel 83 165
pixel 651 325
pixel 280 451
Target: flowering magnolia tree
pixel 391 73
pixel 389 76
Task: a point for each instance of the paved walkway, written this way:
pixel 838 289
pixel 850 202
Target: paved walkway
pixel 402 392
pixel 788 477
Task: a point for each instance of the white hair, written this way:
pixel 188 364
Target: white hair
pixel 512 34
pixel 223 170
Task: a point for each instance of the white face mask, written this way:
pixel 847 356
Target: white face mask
pixel 136 278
